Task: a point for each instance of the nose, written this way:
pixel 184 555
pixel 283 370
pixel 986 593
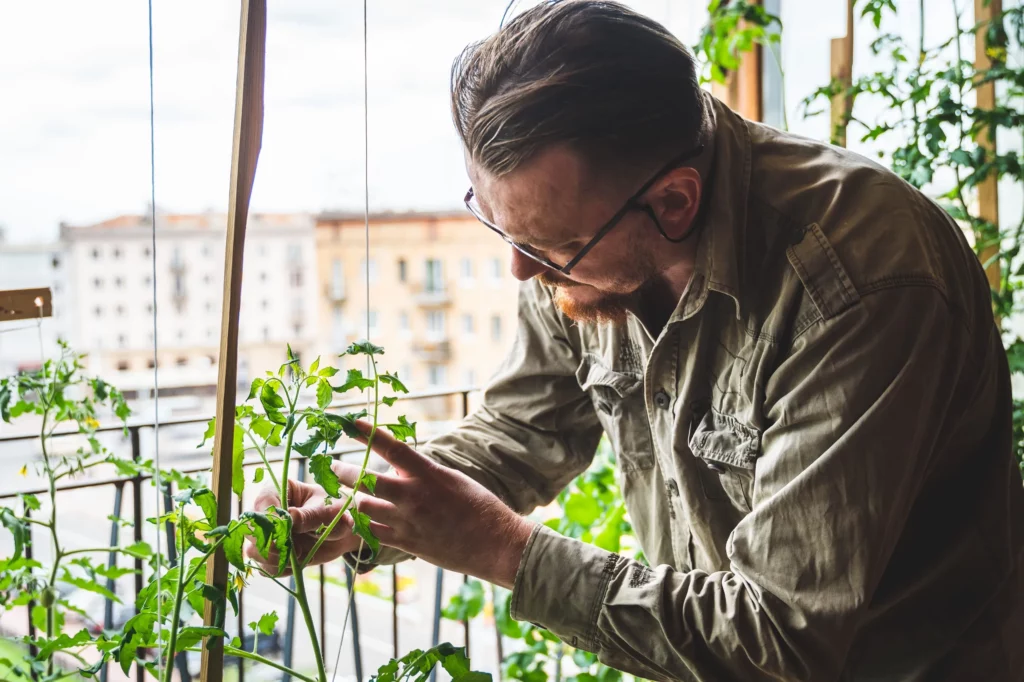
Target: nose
pixel 524 267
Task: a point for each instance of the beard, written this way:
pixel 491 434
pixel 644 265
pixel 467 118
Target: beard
pixel 612 307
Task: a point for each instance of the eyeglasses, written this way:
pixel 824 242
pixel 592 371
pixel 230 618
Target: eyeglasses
pixel 634 203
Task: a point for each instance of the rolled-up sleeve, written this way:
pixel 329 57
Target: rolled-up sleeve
pixel 855 410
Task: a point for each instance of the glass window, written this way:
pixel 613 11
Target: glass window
pixel 467 324
pixel 496 328
pixel 435 275
pixel 372 271
pixel 436 375
pixel 495 268
pixel 337 278
pixel 402 270
pixel 403 321
pixel 466 269
pixel 435 322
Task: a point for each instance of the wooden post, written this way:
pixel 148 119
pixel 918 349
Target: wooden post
pixel 244 155
pixel 988 189
pixel 842 73
pixel 742 90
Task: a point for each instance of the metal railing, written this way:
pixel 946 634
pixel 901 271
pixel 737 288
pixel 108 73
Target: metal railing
pixel 135 483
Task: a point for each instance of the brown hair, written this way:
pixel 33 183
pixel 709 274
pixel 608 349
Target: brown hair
pixel 614 85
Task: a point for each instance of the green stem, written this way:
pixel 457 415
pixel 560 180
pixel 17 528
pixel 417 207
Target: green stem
pixel 366 460
pixel 57 552
pixel 263 455
pixel 86 550
pixel 283 486
pixel 303 601
pixel 178 596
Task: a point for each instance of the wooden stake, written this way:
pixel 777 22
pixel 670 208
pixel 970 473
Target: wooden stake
pixel 244 155
pixel 988 189
pixel 743 88
pixel 842 71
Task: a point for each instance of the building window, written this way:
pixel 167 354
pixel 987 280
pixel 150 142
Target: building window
pixel 95 254
pixel 122 366
pixel 117 252
pixel 147 280
pixel 337 279
pixel 495 268
pixel 118 282
pixel 263 277
pixel 435 276
pixel 149 308
pixel 469 377
pixel 406 374
pixel 181 362
pixel 120 311
pixel 145 252
pixel 467 324
pixel 206 250
pixel 403 273
pixel 466 268
pixel 295 253
pixel 150 363
pixel 435 324
pixel 98 311
pixel 209 333
pixel 209 306
pixel 403 321
pixel 181 335
pixel 298 329
pixel 266 334
pixel 97 283
pixel 496 328
pixel 338 326
pixel 371 322
pixel 372 273
pixel 296 277
pixel 122 341
pixel 265 304
pixel 55 262
pixel 436 375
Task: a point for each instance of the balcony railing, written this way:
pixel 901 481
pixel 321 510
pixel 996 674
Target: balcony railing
pixel 133 486
pixel 433 351
pixel 335 293
pixel 431 295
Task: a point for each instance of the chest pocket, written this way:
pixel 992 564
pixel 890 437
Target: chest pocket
pixel 619 401
pixel 727 452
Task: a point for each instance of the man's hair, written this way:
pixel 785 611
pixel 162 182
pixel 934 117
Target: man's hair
pixel 613 85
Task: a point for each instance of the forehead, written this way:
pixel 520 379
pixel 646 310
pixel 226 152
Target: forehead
pixel 541 201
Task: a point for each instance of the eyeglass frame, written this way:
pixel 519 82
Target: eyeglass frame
pixel 632 204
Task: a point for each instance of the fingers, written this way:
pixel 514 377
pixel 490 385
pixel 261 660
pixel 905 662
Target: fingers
pixel 379 510
pixel 388 486
pixel 310 517
pixel 395 452
pixel 267 498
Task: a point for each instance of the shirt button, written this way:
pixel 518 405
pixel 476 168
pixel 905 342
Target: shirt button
pixel 662 400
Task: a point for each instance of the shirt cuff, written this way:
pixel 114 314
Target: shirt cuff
pixel 560 586
pixel 360 562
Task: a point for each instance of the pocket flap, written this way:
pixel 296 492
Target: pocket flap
pixel 722 438
pixel 592 373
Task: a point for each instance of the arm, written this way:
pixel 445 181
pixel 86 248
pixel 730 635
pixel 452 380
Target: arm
pixel 857 410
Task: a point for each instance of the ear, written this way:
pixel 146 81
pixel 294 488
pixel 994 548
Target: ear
pixel 675 200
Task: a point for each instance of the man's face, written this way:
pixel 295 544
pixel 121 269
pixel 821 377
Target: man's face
pixel 554 206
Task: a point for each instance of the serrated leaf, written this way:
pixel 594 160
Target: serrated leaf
pixel 257 476
pixel 31 502
pixel 363 348
pixel 315 366
pixel 89 586
pixel 328 372
pixel 269 398
pixel 262 528
pixel 361 527
pixel 266 624
pixel 211 431
pixel 190 636
pixel 393 380
pixel 404 430
pixel 233 545
pixel 139 550
pixel 17 528
pixel 207 502
pixel 369 481
pixel 282 535
pixel 324 393
pixel 309 446
pixel 237 459
pixel 254 389
pixel 389 400
pixel 323 474
pixel 354 379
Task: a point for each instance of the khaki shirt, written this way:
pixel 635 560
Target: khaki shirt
pixel 815 452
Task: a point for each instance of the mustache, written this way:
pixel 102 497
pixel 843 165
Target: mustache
pixel 554 280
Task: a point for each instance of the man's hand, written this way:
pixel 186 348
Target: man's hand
pixel 308 512
pixel 440 514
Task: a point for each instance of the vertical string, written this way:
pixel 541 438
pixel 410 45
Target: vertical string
pixel 156 372
pixel 366 256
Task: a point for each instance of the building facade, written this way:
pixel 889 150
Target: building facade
pixel 111 271
pixel 442 301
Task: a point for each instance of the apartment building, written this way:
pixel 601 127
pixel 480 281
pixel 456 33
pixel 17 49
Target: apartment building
pixel 442 300
pixel 111 272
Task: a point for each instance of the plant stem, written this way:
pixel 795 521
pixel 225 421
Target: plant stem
pixel 57 553
pixel 366 459
pixel 263 455
pixel 283 487
pixel 178 594
pixel 303 601
pixel 94 549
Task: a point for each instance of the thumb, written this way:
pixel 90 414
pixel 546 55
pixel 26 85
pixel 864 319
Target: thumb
pixel 308 518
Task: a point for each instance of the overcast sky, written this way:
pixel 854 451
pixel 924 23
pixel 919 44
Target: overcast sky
pixel 74 104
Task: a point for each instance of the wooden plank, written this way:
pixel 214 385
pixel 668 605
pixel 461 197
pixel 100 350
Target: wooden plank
pixel 842 72
pixel 25 304
pixel 245 152
pixel 988 190
pixel 743 89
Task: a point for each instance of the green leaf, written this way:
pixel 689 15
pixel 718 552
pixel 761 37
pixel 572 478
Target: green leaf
pixel 31 502
pixel 266 624
pixel 257 476
pixel 237 458
pixel 361 527
pixel 369 481
pixel 18 529
pixel 324 393
pixel 39 618
pixel 467 603
pixel 282 521
pixel 354 379
pixel 89 586
pixel 63 641
pixel 392 379
pixel 363 348
pixel 211 431
pixel 233 545
pixel 190 636
pixel 389 400
pixel 254 389
pixel 269 398
pixel 5 401
pixel 139 550
pixel 328 372
pixel 262 528
pixel 309 446
pixel 403 430
pixel 582 509
pixel 323 474
pixel 313 370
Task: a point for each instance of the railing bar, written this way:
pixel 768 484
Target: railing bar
pixel 394 610
pixel 115 539
pixel 323 613
pixel 241 617
pixel 140 671
pixel 357 648
pixel 436 636
pixel 465 622
pixel 31 604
